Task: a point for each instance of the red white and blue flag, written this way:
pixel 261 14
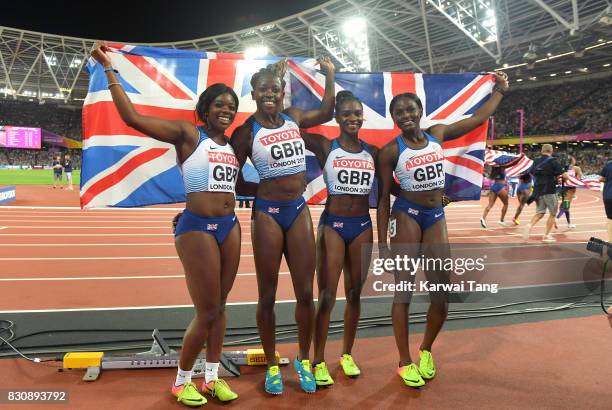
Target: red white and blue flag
pixel 517 164
pixel 590 181
pixel 124 168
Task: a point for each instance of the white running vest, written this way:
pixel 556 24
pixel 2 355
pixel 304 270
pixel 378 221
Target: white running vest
pixel 211 167
pixel 278 152
pixel 347 172
pixel 420 169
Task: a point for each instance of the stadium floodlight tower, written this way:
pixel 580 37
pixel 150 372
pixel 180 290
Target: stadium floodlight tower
pixel 355 32
pixel 475 18
pixel 348 45
pixel 256 52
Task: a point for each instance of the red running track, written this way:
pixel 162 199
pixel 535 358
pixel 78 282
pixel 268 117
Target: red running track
pixel 55 256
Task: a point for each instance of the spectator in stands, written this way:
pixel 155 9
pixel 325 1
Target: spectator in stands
pixel 605 176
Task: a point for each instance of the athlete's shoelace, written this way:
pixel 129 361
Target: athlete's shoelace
pixel 216 383
pixel 427 359
pixel 188 389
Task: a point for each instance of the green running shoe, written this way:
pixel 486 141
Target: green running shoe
pixel 188 394
pixel 322 376
pixel 426 365
pixel 349 366
pixel 219 388
pixel 411 376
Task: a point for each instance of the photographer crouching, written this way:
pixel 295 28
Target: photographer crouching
pixel 545 169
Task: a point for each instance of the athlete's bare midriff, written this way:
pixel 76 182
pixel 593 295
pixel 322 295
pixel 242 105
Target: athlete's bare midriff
pixel 430 199
pixel 211 204
pixel 348 205
pixel 286 188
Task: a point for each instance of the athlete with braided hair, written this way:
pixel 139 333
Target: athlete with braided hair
pixel 281 222
pixel 207 234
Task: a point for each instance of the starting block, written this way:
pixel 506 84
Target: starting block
pixel 161 355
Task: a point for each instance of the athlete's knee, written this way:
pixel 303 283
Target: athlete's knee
pixel 304 296
pixel 266 302
pixel 353 296
pixel 207 316
pixel 327 299
pixel 441 309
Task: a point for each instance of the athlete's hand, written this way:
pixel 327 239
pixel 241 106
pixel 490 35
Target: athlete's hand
pixel 610 315
pixel 327 65
pixel 99 53
pixel 175 221
pixel 279 68
pixel 501 79
pixel 445 200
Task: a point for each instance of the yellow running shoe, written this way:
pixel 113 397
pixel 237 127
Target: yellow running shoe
pixel 188 394
pixel 219 388
pixel 349 366
pixel 411 376
pixel 322 376
pixel 426 365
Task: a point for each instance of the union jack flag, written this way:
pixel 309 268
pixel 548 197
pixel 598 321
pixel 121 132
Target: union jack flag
pixel 517 163
pixel 124 168
pixel 588 181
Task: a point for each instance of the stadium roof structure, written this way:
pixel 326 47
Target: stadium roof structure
pixel 529 38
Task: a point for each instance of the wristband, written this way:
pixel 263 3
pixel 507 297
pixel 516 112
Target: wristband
pixel 106 70
pixel 111 84
pixel 499 90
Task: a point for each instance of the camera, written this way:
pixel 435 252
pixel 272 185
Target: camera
pixel 596 245
pixel 564 161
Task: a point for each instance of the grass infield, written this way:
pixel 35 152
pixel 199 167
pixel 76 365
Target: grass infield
pixel 34 177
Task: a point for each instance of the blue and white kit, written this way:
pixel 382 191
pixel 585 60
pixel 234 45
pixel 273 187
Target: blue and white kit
pixel 348 173
pixel 210 168
pixel 278 152
pixel 420 170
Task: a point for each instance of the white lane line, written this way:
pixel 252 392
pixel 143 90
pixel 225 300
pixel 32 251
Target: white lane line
pixel 502 235
pixel 90 227
pixel 101 258
pixel 97 258
pixel 62 245
pixel 85 234
pixel 245 210
pixel 492 217
pixel 111 277
pixel 3 227
pixel 531 235
pixel 78 208
pixel 93 220
pixel 137 307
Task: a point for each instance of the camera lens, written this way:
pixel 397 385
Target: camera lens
pixel 595 247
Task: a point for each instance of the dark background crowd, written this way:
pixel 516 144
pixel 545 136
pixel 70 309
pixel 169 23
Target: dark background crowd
pixel 37 157
pixel 589 157
pixel 568 108
pixel 60 119
pixel 572 108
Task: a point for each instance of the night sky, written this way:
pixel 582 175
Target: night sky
pixel 146 21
